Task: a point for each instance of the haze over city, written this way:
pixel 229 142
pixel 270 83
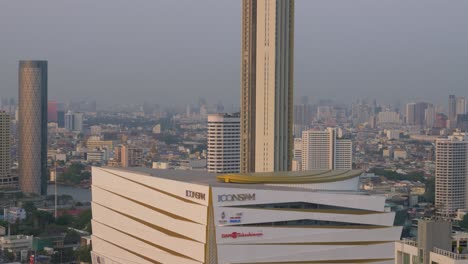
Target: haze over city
pixel 170 52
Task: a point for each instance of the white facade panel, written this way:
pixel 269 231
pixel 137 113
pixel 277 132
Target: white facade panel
pixel 176 188
pixel 150 195
pixel 167 239
pixel 289 253
pixel 112 254
pixel 364 202
pixel 283 235
pixel 190 229
pixel 142 248
pixel 251 216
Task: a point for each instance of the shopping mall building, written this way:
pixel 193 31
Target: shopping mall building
pixel 174 216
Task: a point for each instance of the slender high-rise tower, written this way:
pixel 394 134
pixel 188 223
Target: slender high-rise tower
pixel 267 85
pixel 452 112
pixel 32 151
pixel 6 179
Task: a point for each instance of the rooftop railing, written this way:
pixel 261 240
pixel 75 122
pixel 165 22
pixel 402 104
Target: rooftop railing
pixel 450 254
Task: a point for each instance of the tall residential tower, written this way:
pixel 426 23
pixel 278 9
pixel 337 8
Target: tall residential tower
pixel 451 174
pixel 32 151
pixel 223 143
pixel 267 85
pixel 6 179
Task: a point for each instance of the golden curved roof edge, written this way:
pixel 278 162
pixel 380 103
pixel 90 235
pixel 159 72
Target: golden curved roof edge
pixel 302 177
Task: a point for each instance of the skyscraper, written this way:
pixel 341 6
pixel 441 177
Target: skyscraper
pixel 223 143
pixel 461 106
pixel 322 150
pixel 451 174
pixel 69 120
pixel 452 113
pixel 6 180
pixel 267 85
pixel 32 151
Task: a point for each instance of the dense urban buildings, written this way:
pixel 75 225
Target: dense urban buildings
pixel 323 150
pixel 32 152
pixel 267 85
pixel 6 179
pixel 451 175
pixel 433 245
pixel 169 216
pixel 223 145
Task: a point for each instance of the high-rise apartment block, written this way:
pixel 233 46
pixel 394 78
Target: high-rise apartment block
pixel 74 121
pixel 451 174
pixel 131 156
pixel 69 120
pixel 267 85
pixel 32 151
pixel 461 106
pixel 6 179
pixel 430 117
pixel 322 150
pixel 223 143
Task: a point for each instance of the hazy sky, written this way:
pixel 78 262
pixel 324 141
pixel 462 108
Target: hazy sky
pixel 174 51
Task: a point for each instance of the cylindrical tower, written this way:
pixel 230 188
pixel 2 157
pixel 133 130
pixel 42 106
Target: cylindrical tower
pixel 32 151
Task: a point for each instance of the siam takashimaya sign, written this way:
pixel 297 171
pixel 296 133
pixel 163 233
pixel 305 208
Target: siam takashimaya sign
pixel 236 197
pixel 235 235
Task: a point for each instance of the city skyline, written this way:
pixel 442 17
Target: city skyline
pixel 426 66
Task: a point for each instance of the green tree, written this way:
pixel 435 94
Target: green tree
pixel 83 254
pixel 83 220
pixel 464 222
pixel 29 207
pixel 72 237
pixel 429 195
pixel 64 220
pixel 9 256
pixel 400 218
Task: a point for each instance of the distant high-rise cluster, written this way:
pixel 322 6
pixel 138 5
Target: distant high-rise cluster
pixel 32 150
pixel 267 85
pixel 416 113
pixel 223 143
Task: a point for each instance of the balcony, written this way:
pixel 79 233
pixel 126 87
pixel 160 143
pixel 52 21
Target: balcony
pixel 449 254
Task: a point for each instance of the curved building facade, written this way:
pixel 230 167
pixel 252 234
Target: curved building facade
pixel 32 151
pixel 193 217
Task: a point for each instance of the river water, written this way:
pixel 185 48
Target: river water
pixel 78 194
